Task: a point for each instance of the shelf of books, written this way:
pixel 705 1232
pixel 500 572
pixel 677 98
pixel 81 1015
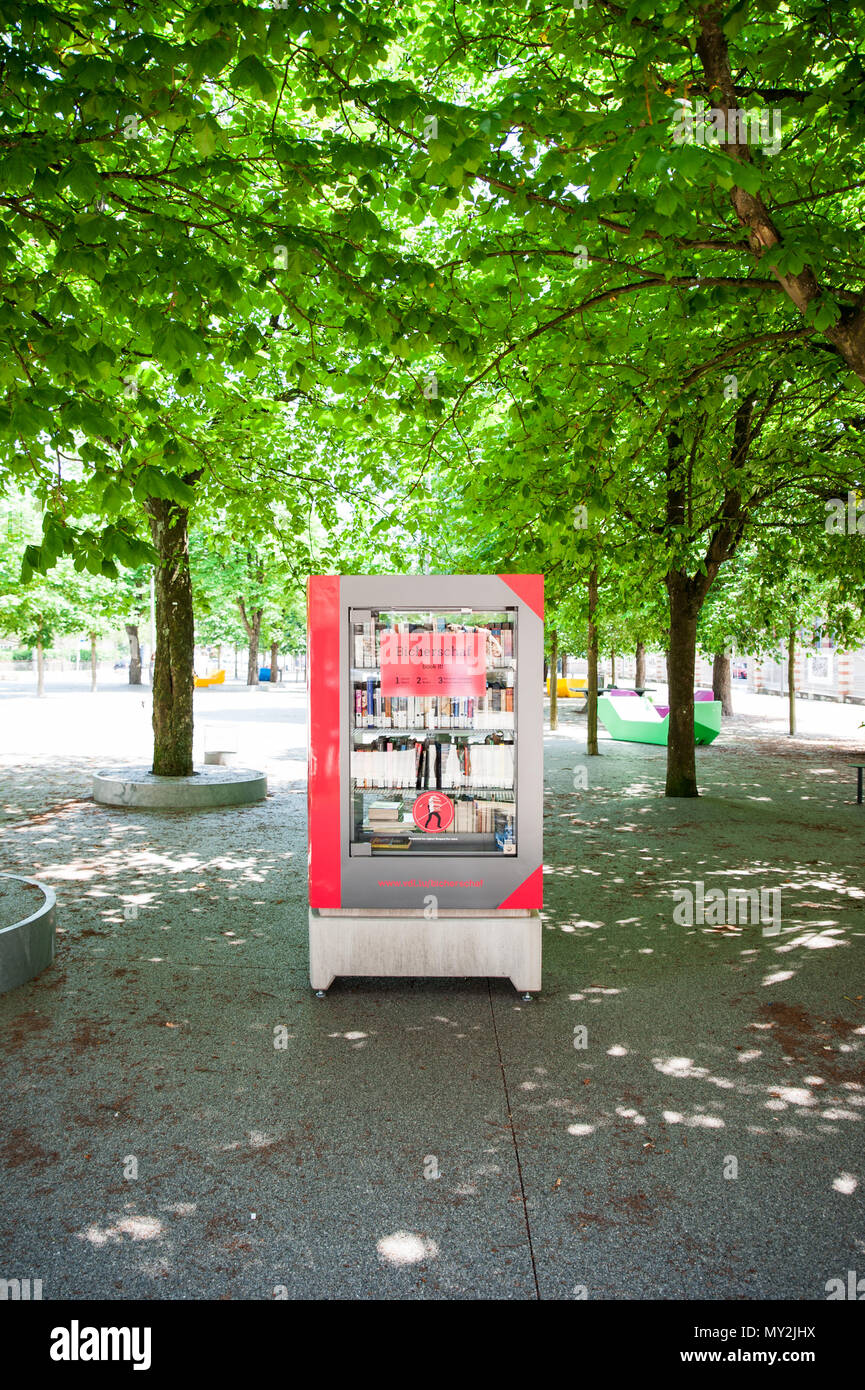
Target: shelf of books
pixel 433 736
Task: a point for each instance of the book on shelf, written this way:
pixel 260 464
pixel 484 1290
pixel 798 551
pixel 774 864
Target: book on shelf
pixel 384 812
pixel 367 643
pixel 391 762
pixel 495 710
pixel 504 634
pixel 472 816
pixel 486 812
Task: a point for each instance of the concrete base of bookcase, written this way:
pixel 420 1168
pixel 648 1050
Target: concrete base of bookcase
pixel 394 942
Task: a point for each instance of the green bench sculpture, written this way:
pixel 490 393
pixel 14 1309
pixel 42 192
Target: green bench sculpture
pixel 635 719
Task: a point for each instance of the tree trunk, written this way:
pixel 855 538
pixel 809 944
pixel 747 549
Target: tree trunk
pixel 253 632
pixel 681 663
pixel 640 669
pixel 592 648
pixel 802 286
pixel 274 661
pixel 175 640
pixel 721 687
pixel 252 667
pixel 687 593
pixel 554 680
pixel 219 656
pixel 791 679
pixel 134 654
pixel 40 667
pixel 612 668
pixel 93 662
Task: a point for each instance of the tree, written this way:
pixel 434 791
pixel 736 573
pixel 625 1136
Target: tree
pixel 604 268
pixel 175 641
pixel 246 590
pixel 799 579
pixel 663 496
pixel 177 152
pixel 96 607
pixel 40 611
pixel 133 601
pixel 519 265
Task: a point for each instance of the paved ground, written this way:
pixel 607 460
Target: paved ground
pixel 310 1167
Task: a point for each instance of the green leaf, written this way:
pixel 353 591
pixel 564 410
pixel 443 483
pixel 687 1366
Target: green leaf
pixel 83 180
pixel 17 172
pixel 251 73
pixel 152 482
pixel 204 139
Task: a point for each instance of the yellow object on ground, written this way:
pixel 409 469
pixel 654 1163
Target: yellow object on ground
pixel 568 686
pixel 216 679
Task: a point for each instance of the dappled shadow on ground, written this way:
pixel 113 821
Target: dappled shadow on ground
pixel 35 789
pixel 739 1027
pixel 178 1029
pixel 128 881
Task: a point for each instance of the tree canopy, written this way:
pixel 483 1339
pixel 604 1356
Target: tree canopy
pixel 576 288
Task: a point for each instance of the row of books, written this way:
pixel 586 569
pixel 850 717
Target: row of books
pixel 372 710
pixel 367 643
pixel 504 634
pixel 472 816
pixel 421 763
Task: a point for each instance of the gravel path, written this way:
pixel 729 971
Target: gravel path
pixel 18 901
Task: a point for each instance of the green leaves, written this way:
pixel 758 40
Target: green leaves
pixel 152 482
pixel 735 19
pixel 252 75
pixel 363 223
pixel 668 201
pixel 64 301
pixel 253 294
pixel 17 172
pixel 114 497
pixel 82 180
pixel 177 345
pixel 823 312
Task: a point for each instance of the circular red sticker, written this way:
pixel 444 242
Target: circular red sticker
pixel 433 811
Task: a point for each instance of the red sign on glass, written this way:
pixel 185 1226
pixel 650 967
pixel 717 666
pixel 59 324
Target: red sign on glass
pixel 433 811
pixel 434 663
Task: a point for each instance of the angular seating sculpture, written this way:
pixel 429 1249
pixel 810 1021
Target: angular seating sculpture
pixel 634 719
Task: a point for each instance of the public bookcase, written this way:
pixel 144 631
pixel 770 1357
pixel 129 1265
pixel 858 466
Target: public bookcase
pixel 425 776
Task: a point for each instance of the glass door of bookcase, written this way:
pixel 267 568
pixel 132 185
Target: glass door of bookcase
pixel 433 732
